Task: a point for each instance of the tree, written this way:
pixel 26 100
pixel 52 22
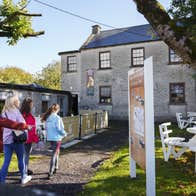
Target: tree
pixel 176 27
pixel 15 21
pixel 15 75
pixel 50 76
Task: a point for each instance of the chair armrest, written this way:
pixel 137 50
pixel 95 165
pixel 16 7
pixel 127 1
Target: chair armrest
pixel 167 132
pixel 175 141
pixel 166 124
pixel 192 142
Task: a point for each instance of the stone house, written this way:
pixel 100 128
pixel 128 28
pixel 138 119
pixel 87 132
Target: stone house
pixel 97 73
pixel 42 97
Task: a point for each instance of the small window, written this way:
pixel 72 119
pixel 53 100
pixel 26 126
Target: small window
pixel 44 106
pixel 137 56
pixel 104 60
pixel 177 93
pixel 71 64
pixel 105 94
pixel 173 57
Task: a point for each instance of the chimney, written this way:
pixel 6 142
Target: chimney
pixel 96 29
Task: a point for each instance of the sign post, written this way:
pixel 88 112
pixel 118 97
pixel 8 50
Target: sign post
pixel 141 123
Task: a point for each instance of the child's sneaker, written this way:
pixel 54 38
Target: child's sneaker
pixel 26 179
pixel 55 170
pixel 50 175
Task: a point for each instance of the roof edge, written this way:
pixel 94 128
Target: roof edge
pixel 69 52
pixel 89 38
pixel 25 87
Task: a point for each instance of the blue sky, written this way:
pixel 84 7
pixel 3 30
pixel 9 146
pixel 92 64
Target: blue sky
pixel 64 32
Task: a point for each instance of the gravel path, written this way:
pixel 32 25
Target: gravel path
pixel 77 163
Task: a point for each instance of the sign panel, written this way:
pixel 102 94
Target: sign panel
pixel 90 83
pixel 136 123
pixel 141 123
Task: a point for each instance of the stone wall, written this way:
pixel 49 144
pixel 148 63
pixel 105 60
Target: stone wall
pixel 117 78
pixel 37 98
pixel 71 80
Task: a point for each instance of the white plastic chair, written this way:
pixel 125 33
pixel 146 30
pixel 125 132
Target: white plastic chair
pixel 169 143
pixel 192 147
pixel 191 117
pixel 182 123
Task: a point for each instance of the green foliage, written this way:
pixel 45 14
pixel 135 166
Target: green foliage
pixel 15 21
pixel 183 8
pixel 183 13
pixel 15 75
pixel 50 76
pixel 175 177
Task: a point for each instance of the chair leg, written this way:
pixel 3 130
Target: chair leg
pixel 181 151
pixel 168 153
pixel 164 152
pixel 174 153
pixel 171 151
pixel 184 125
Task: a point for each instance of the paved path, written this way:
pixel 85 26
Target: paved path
pixel 77 163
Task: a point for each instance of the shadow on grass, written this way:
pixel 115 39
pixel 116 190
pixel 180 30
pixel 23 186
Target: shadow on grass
pixel 171 180
pixel 116 186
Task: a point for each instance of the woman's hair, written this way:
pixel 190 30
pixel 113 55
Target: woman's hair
pixel 26 105
pixel 9 102
pixel 55 107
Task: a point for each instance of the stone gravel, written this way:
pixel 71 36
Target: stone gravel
pixel 77 163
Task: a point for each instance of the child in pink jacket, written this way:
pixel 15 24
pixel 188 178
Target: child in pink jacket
pixel 26 109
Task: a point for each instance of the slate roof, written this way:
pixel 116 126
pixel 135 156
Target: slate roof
pixel 32 87
pixel 135 34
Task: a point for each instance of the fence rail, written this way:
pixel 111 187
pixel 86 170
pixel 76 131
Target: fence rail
pixel 71 125
pixel 84 124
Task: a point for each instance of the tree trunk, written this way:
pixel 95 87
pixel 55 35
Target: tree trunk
pixel 159 19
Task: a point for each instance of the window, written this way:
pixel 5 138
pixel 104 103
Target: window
pixel 177 93
pixel 44 106
pixel 173 57
pixel 104 60
pixel 71 64
pixel 105 94
pixel 137 56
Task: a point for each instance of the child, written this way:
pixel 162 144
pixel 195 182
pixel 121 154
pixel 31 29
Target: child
pixel 26 110
pixel 55 132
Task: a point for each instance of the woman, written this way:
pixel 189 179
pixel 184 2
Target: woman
pixel 55 132
pixel 26 110
pixel 11 112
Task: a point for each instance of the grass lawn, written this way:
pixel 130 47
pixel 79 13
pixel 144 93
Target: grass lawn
pixel 175 177
pixel 14 164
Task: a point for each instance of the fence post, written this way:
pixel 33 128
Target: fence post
pixel 95 122
pixel 80 127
